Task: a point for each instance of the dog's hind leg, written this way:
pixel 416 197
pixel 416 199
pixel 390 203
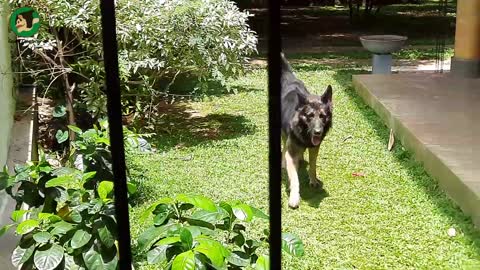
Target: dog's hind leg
pixel 312 169
pixel 292 166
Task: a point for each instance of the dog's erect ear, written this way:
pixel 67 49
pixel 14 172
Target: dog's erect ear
pixel 327 96
pixel 302 98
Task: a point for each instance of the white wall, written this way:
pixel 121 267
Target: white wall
pixel 7 103
pixel 6 85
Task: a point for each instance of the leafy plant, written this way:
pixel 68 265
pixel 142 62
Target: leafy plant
pixel 65 215
pixel 158 41
pixel 62 224
pixel 90 151
pixel 192 232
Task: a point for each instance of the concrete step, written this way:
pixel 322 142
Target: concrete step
pixel 434 116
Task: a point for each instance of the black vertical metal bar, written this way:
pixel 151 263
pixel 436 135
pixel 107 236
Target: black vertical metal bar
pixel 114 107
pixel 274 110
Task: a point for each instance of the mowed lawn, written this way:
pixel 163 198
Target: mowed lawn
pixel 393 217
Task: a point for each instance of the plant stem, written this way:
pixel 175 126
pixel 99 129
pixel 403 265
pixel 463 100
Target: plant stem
pixel 175 206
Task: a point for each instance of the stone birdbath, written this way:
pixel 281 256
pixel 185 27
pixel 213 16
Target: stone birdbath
pixel 382 47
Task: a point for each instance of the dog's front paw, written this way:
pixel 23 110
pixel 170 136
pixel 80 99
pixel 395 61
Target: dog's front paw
pixel 294 201
pixel 315 183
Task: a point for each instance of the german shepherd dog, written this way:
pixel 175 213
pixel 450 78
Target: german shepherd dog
pixel 306 119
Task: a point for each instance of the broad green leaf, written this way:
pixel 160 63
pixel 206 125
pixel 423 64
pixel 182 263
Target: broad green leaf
pixel 96 259
pixel 104 233
pixel 160 218
pixel 263 263
pixel 5 180
pixel 59 111
pixel 152 235
pixel 184 261
pixel 18 214
pixel 214 244
pixel 75 129
pixel 105 188
pixel 62 227
pixel 198 230
pixel 152 207
pixel 243 212
pixel 87 176
pixel 201 261
pixel 259 213
pixel 48 257
pixel 239 239
pixel 209 216
pixel 27 226
pixel 71 263
pixel 292 244
pixel 60 180
pixel 213 250
pixel 61 195
pixel 42 237
pixel 199 201
pixel 227 207
pixel 186 237
pixel 49 216
pixel 132 188
pixel 22 254
pixel 93 260
pixel 5 229
pixel 45 169
pixel 167 241
pixel 76 216
pixel 239 258
pixel 64 171
pixel 157 255
pixel 62 136
pixel 80 238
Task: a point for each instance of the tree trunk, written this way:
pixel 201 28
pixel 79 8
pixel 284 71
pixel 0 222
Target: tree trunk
pixel 68 88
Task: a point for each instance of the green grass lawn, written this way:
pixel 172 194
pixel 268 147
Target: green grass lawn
pixel 395 217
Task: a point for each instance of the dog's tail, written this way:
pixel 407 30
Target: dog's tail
pixel 285 65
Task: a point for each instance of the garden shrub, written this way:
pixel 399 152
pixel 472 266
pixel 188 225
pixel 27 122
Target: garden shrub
pixel 159 40
pixel 68 211
pixel 65 226
pixel 192 232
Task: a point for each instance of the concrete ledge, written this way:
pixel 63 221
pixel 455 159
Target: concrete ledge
pixel 465 68
pixel 23 148
pixel 415 106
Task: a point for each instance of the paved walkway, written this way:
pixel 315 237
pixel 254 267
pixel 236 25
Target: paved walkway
pixel 435 117
pixel 423 66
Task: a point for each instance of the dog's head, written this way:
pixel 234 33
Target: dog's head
pixel 315 112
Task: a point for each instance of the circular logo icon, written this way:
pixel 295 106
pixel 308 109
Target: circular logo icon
pixel 25 22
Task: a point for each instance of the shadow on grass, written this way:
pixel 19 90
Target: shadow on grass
pixel 405 158
pixel 185 86
pixel 137 177
pixel 313 196
pixel 182 126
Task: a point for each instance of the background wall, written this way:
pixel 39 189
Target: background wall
pixel 6 85
pixel 7 107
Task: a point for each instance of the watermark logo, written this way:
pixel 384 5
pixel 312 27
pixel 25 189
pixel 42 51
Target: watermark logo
pixel 25 22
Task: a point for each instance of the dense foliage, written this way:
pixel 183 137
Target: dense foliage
pixel 159 40
pixel 192 232
pixel 65 214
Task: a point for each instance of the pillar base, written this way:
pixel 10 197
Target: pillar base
pixel 382 64
pixel 465 68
